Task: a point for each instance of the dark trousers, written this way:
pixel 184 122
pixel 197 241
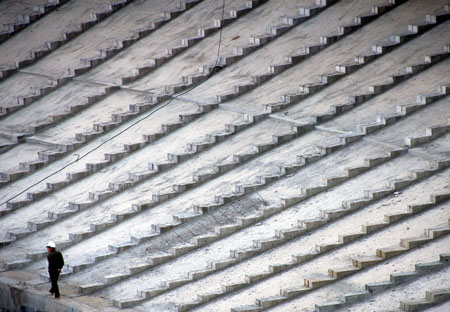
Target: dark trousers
pixel 54 279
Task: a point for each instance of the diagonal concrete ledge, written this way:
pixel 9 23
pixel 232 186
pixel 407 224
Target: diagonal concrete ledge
pixel 371 289
pixel 335 274
pixel 25 20
pixel 303 228
pixel 118 219
pixel 53 45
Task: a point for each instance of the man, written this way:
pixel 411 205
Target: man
pixel 55 265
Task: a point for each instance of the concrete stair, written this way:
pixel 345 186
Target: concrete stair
pixel 402 111
pixel 336 274
pixel 341 70
pixel 290 61
pixel 220 200
pixel 256 42
pixel 304 228
pixel 174 251
pixel 431 133
pixel 421 269
pixel 121 44
pixel 49 155
pixel 23 20
pixel 432 298
pixel 36 94
pixel 110 158
pixel 186 43
pixel 67 36
pixel 281 237
pixel 86 137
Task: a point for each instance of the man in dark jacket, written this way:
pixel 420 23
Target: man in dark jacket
pixel 55 265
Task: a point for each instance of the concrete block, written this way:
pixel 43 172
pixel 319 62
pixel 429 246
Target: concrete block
pixel 313 190
pixel 127 303
pixel 226 229
pixel 379 286
pixel 176 283
pixel 342 272
pixel 415 305
pixel 439 197
pixel 270 301
pixel 378 194
pixel 414 242
pixel 355 297
pixel 330 39
pixel 242 254
pixel 438 232
pixel 356 203
pixel 391 218
pixel 346 238
pixel 194 275
pixel 400 184
pixel 114 278
pixel 182 249
pixel 329 306
pixel 139 268
pixel 333 181
pixel 311 10
pixel 287 234
pixel 17 264
pixel 247 308
pixel 327 247
pixel 233 287
pixel 315 282
pixel 372 227
pixel 280 267
pixel 398 278
pixel 333 214
pixel 425 268
pixel 312 223
pixel 389 252
pixel 304 257
pixel 220 264
pixel 161 258
pixel 254 278
pixel 294 291
pixel 90 288
pixel 416 208
pixel 268 243
pixel 205 239
pixel 348 28
pixel 438 295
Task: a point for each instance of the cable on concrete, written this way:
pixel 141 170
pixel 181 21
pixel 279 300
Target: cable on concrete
pixel 217 67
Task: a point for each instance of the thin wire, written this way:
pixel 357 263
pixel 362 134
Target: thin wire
pixel 180 237
pixel 217 66
pixel 220 33
pixel 201 225
pixel 224 214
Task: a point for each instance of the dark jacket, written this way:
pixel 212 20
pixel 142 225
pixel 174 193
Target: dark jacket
pixel 55 261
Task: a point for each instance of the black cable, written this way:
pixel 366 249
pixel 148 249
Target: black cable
pixel 220 34
pixel 217 66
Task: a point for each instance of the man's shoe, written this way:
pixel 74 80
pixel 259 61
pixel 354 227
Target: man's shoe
pixel 57 296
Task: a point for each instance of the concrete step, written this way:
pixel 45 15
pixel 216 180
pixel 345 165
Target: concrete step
pixel 432 298
pixel 309 50
pixel 259 246
pixel 373 288
pixel 338 273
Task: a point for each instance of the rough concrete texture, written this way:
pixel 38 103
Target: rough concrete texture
pixel 320 142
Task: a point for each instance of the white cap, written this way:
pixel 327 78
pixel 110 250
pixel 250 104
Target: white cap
pixel 51 244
